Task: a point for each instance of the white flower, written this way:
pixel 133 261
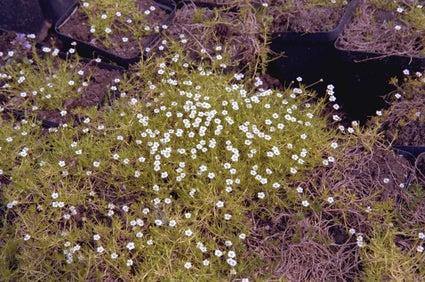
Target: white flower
pixel 420 249
pixel 397 27
pixel 188 232
pixel 231 262
pixel 352 231
pixel 300 190
pixel 114 255
pixel 206 262
pixel 130 246
pixel 231 254
pixel 55 195
pixel 219 204
pixel 227 216
pixel 330 200
pixel 261 195
pixel 108 30
pixel 100 249
pixel 218 253
pixel 27 237
pixel 421 235
pixel 172 223
pixel 242 236
pixel 129 262
pixel 188 265
pixel 305 203
pixel 61 163
pixel 96 237
pixel 96 164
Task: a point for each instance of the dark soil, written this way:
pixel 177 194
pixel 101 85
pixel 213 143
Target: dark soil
pixel 78 27
pixel 303 18
pixel 373 30
pixel 93 96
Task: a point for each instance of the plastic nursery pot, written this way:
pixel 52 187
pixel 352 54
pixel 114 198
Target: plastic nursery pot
pixel 89 50
pixel 53 10
pixel 365 74
pixel 416 157
pixel 365 78
pixel 23 17
pixel 167 5
pixel 308 55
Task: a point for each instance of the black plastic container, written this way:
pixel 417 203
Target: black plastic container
pixel 416 157
pixel 85 49
pixel 365 77
pixel 311 56
pixel 53 10
pixel 23 17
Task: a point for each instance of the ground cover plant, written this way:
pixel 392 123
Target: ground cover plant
pixel 49 84
pixel 193 172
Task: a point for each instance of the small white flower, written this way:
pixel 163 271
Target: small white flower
pixel 397 27
pixel 100 249
pixel 231 254
pixel 96 237
pixel 206 262
pixel 242 236
pixel 188 265
pixel 129 262
pixel 188 232
pixel 218 253
pixel 227 216
pixel 305 203
pixel 108 30
pixel 130 246
pixel 27 237
pixel 420 249
pixel 261 195
pixel 300 190
pixel 231 262
pixel 421 235
pixel 330 200
pixel 114 256
pixel 55 195
pixel 96 164
pixel 219 204
pixel 352 231
pixel 61 163
pixel 406 72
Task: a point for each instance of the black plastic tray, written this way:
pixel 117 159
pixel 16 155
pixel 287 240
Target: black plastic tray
pixel 309 55
pixel 85 49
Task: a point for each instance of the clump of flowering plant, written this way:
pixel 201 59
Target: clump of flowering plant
pixel 172 178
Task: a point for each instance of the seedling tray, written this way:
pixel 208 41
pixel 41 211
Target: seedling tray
pixel 88 50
